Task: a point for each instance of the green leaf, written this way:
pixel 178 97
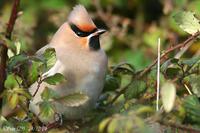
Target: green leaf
pixel 112 83
pixel 54 79
pixel 46 110
pixel 72 100
pixel 187 21
pixel 23 92
pixel 12 81
pixel 104 124
pixel 171 72
pixel 48 94
pixel 192 106
pixel 136 88
pixel 190 62
pixel 13 100
pixel 195 84
pixel 123 68
pixel 50 57
pixel 33 72
pixel 15 61
pixel 168 95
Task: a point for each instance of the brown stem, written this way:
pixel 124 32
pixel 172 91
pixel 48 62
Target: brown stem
pixel 186 42
pixel 12 19
pixel 38 85
pixel 146 70
pixel 3 48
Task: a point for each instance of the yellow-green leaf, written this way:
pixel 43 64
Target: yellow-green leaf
pixel 187 21
pixel 72 100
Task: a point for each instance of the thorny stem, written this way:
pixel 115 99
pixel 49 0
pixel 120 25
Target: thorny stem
pixel 3 48
pixel 146 70
pixel 185 43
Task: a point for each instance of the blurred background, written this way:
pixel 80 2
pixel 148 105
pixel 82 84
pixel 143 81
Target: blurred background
pixel 134 26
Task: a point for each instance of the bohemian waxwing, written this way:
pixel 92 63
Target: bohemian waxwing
pixel 80 59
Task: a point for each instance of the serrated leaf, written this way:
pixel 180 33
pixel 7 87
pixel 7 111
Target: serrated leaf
pixel 192 106
pixel 46 110
pixel 49 57
pixel 168 95
pixel 187 21
pixel 54 79
pixel 136 88
pixel 48 94
pixel 72 100
pixel 12 81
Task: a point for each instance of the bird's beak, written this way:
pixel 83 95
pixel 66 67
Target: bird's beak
pixel 100 31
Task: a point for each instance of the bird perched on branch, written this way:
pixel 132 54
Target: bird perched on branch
pixel 80 59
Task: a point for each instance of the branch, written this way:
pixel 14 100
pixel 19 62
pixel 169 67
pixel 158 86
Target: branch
pixel 3 48
pixel 182 127
pixel 38 85
pixel 12 19
pixel 183 44
pixel 146 70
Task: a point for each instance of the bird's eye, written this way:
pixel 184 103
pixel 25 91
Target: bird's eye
pixel 79 32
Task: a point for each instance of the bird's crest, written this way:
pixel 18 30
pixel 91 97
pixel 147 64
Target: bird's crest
pixel 80 17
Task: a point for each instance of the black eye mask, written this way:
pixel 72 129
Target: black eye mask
pixel 79 32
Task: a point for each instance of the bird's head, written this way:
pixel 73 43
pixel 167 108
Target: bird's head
pixel 81 29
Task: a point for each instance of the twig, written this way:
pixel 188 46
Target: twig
pixel 3 48
pixel 185 43
pixel 38 86
pixel 182 127
pixel 120 92
pixel 158 77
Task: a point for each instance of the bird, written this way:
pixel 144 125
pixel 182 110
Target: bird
pixel 80 59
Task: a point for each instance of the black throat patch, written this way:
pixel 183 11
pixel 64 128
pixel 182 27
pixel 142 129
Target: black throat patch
pixel 94 43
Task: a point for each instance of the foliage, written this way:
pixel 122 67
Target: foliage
pixel 128 100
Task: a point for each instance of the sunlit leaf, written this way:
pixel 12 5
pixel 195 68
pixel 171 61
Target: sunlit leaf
pixel 46 110
pixel 48 94
pixel 187 21
pixel 72 100
pixel 54 79
pixel 103 124
pixel 12 81
pixel 13 100
pixel 49 57
pixel 168 95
